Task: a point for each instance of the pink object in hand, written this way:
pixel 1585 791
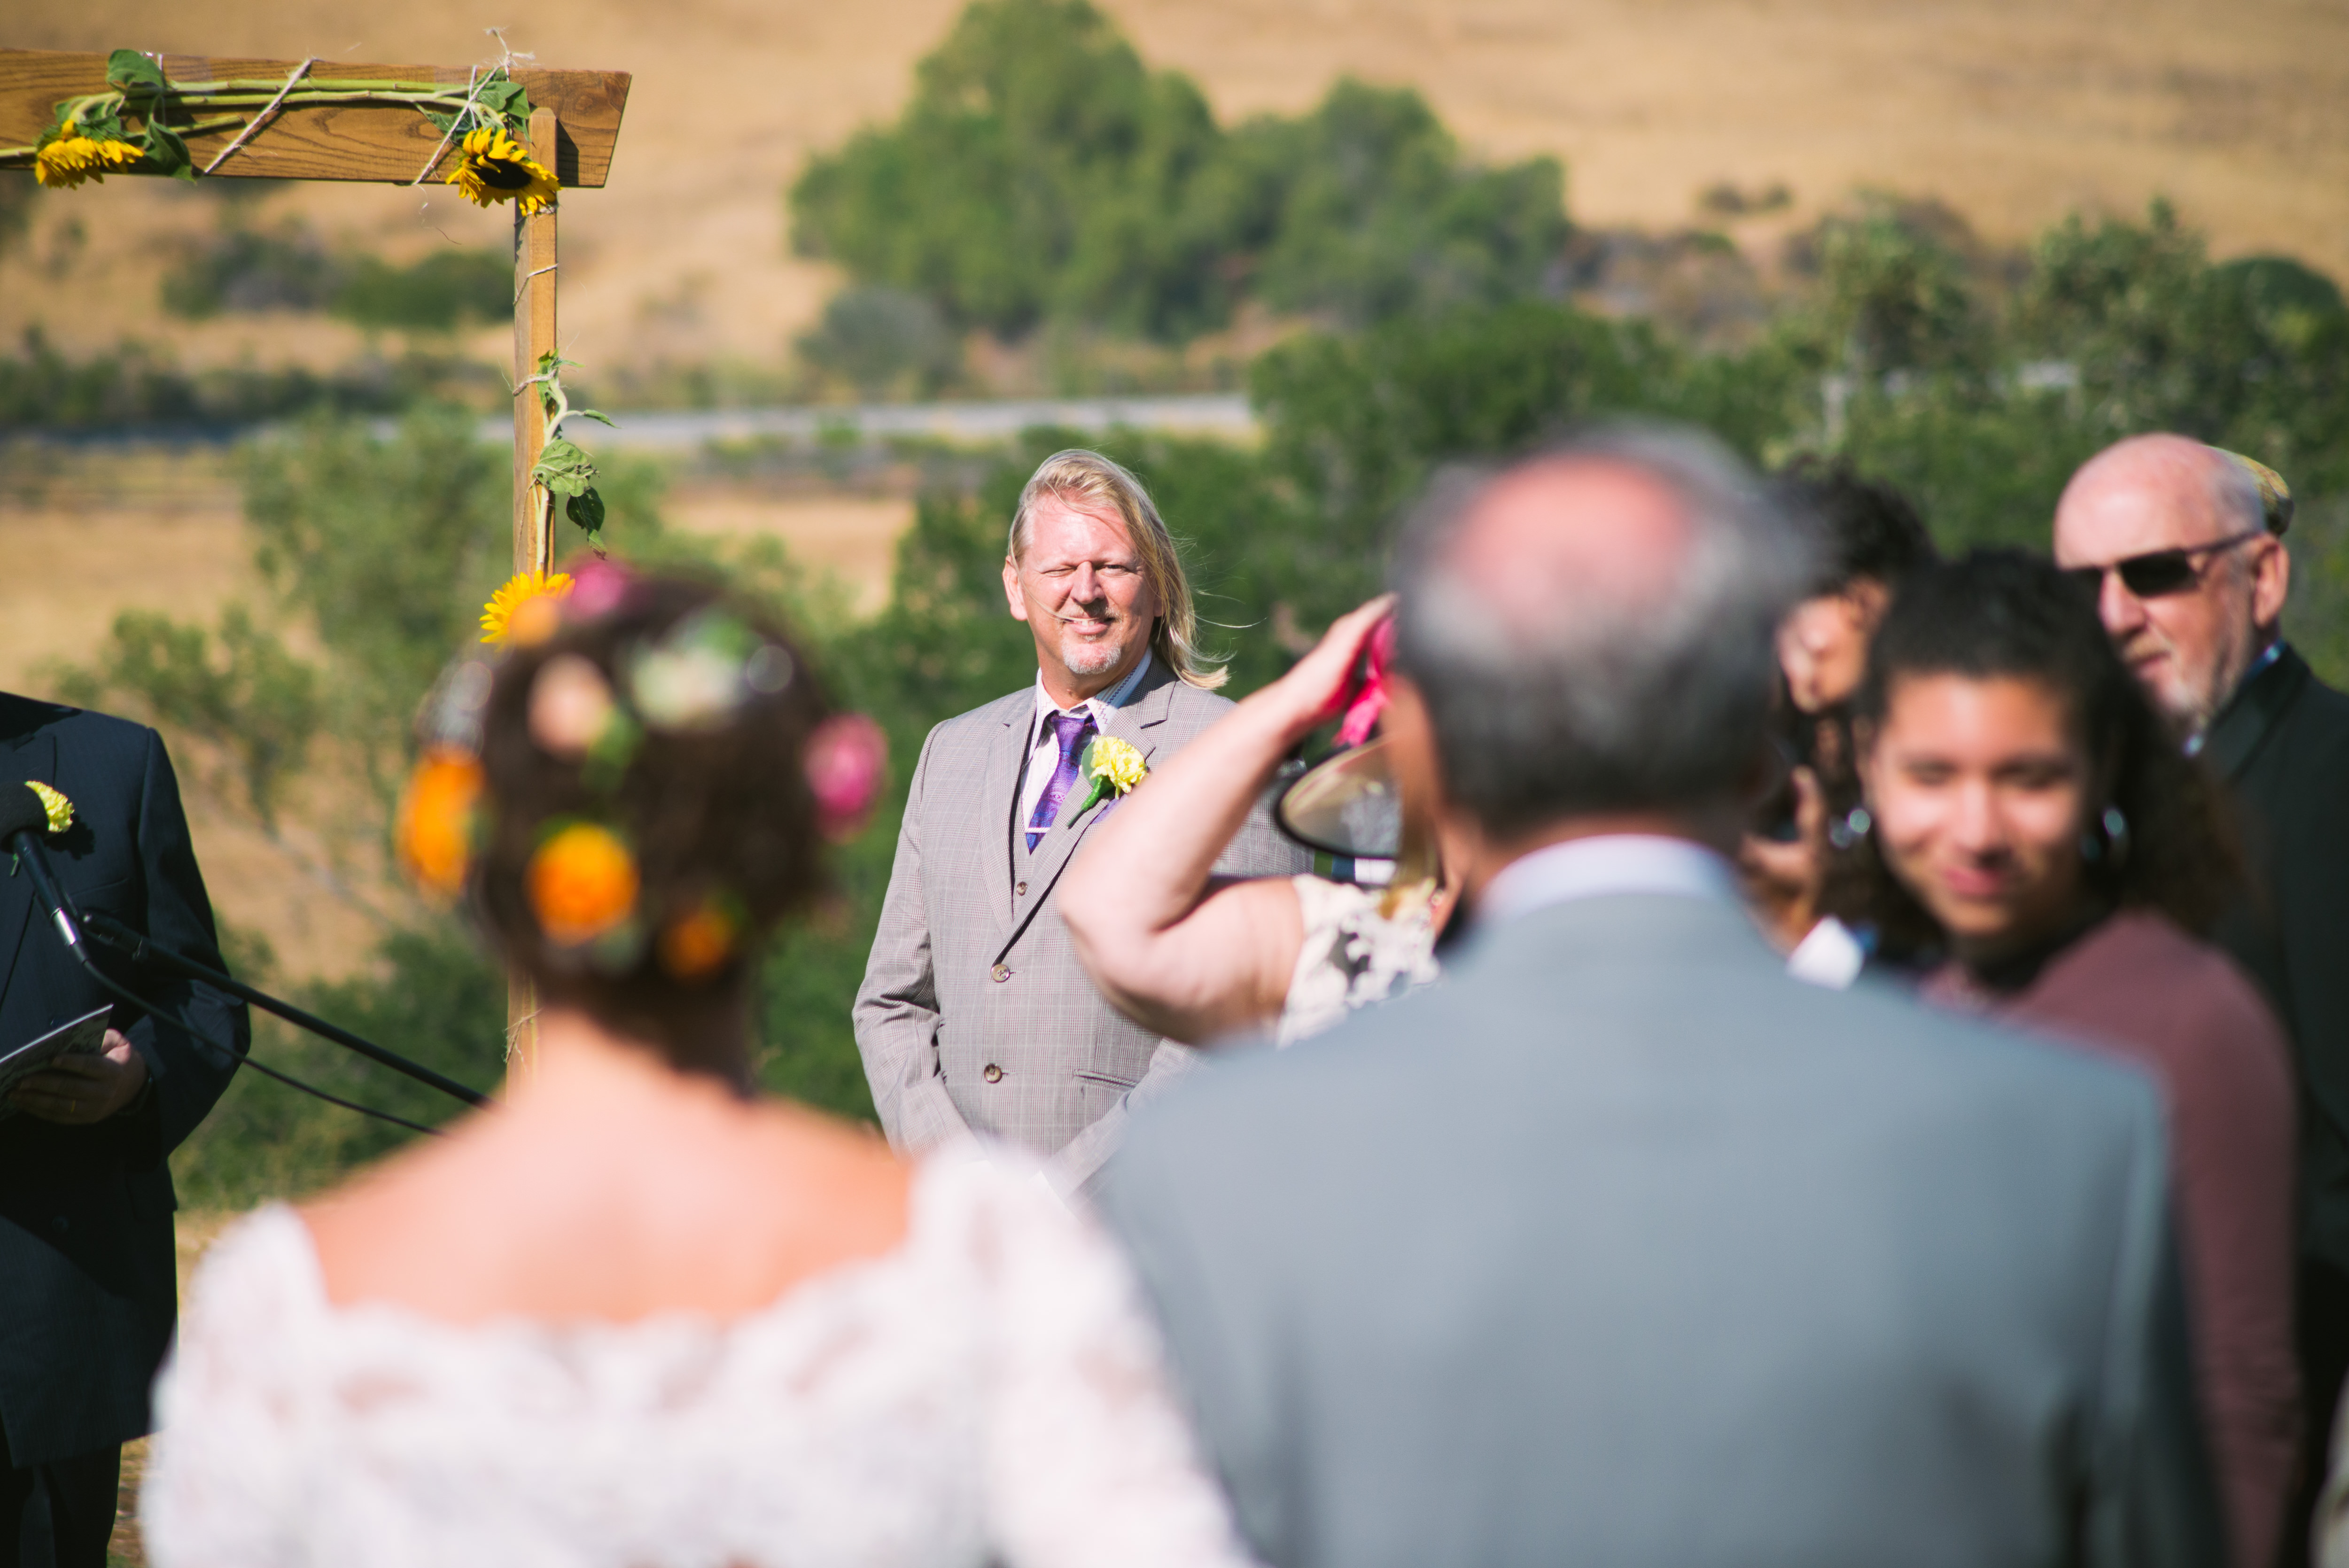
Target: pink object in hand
pixel 1372 700
pixel 846 760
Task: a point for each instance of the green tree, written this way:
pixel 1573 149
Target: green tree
pixel 1042 172
pixel 1040 168
pixel 1364 209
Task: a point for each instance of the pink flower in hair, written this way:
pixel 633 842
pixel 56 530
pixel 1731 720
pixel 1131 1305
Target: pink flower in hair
pixel 597 588
pixel 845 760
pixel 1372 700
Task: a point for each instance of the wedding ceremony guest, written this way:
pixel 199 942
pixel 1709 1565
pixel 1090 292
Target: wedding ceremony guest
pixel 635 1313
pixel 974 1017
pixel 2031 811
pixel 1198 958
pixel 2185 544
pixel 87 1289
pixel 1870 540
pixel 1619 1244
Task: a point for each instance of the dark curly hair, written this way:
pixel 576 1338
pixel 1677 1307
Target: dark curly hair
pixel 2004 613
pixel 717 814
pixel 1867 528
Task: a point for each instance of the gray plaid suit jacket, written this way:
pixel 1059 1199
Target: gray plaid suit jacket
pixel 975 1015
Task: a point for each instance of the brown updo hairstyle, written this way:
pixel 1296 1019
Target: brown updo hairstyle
pixel 719 811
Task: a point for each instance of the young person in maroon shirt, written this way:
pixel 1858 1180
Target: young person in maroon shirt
pixel 2046 853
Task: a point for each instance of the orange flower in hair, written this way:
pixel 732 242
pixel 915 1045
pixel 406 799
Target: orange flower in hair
pixel 699 943
pixel 434 832
pixel 582 884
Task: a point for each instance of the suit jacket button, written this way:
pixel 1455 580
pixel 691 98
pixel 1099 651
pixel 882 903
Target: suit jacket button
pixel 1020 892
pixel 994 1074
pixel 1002 972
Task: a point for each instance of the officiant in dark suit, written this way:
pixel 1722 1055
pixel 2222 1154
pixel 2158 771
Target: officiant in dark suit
pixel 88 1292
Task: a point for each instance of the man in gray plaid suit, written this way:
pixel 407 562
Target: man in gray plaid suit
pixel 975 1015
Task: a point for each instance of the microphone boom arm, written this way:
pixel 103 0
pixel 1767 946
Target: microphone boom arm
pixel 141 948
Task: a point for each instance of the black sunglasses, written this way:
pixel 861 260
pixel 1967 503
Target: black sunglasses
pixel 2158 573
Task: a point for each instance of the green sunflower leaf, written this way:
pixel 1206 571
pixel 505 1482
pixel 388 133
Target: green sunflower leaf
pixel 563 469
pixel 502 96
pixel 129 68
pixel 167 152
pixel 587 509
pixel 596 414
pixel 444 123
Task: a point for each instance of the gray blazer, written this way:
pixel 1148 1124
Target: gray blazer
pixel 975 1015
pixel 1619 1246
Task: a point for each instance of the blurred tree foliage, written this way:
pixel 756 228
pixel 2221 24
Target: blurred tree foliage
pixel 44 388
pixel 884 340
pixel 242 267
pixel 1042 171
pixel 1973 381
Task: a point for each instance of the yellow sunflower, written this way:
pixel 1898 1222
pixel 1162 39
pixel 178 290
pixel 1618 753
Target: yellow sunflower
pixel 74 158
pixel 497 168
pixel 524 610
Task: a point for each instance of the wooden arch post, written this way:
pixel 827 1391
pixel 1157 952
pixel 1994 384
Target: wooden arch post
pixel 536 270
pixel 574 125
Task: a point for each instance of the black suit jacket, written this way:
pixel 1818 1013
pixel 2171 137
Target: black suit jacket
pixel 2282 745
pixel 87 1292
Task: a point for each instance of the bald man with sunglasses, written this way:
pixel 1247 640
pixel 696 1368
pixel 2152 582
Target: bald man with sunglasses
pixel 2184 544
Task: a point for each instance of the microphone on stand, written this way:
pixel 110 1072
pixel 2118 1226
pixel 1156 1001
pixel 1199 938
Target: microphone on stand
pixel 23 819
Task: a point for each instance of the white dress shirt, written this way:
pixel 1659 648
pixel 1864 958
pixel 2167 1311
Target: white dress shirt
pixel 1603 866
pixel 1044 751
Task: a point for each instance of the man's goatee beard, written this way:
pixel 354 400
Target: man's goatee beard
pixel 1090 658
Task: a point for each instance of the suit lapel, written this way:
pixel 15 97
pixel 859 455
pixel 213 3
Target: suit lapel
pixel 32 755
pixel 1000 800
pixel 1137 723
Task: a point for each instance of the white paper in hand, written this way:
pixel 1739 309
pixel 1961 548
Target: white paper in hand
pixel 82 1036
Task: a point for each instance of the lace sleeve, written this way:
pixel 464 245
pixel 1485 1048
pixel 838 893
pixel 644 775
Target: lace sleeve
pixel 219 1475
pixel 1091 1460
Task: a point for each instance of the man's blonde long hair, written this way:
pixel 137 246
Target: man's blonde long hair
pixel 1088 479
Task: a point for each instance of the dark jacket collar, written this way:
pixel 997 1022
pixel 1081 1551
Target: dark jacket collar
pixel 2252 713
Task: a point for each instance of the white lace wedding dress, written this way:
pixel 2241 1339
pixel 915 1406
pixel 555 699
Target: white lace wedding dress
pixel 989 1391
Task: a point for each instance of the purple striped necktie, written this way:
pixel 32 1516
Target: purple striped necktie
pixel 1071 730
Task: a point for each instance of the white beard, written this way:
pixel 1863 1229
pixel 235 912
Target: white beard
pixel 1085 659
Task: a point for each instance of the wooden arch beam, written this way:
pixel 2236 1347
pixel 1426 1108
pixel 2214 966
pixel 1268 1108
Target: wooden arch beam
pixel 386 143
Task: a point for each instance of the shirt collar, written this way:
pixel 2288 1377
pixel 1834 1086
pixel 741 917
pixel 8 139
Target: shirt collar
pixel 1598 867
pixel 1101 703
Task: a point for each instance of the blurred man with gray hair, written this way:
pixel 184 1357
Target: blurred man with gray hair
pixel 1619 1245
pixel 2183 543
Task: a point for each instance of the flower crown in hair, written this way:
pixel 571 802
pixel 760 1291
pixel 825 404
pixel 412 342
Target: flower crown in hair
pixel 583 882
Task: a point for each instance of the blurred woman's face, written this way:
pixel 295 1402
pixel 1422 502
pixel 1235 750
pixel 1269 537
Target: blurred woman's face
pixel 1979 790
pixel 1823 642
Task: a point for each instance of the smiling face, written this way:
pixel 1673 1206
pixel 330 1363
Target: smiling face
pixel 1080 585
pixel 1980 790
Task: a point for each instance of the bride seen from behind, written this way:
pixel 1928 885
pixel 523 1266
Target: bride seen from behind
pixel 637 1315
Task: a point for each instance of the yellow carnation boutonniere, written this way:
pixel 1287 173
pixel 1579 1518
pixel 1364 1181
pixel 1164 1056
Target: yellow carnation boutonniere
pixel 56 813
pixel 54 805
pixel 1114 766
